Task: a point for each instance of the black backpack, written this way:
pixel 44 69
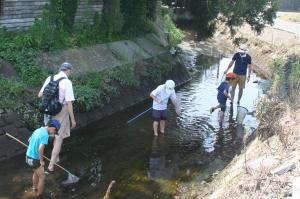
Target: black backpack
pixel 50 102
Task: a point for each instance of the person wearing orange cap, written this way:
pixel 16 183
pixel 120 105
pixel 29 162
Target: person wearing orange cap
pixel 223 94
pixel 242 62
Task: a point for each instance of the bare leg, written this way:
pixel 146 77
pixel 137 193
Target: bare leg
pixel 35 181
pixel 155 127
pixel 240 94
pixel 162 125
pixel 212 109
pixel 221 117
pixel 55 151
pixel 41 182
pixel 233 91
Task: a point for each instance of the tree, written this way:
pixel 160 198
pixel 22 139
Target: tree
pixel 205 14
pixel 112 18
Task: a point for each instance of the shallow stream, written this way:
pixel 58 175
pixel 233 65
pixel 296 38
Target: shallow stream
pixel 145 166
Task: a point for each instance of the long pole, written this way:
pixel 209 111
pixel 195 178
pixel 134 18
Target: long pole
pixel 129 121
pixel 16 139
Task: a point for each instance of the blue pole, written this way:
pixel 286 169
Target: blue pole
pixel 129 121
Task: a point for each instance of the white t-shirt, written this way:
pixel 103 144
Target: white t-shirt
pixel 66 93
pixel 162 93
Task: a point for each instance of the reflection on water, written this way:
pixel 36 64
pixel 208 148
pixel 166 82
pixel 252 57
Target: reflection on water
pixel 159 166
pixel 145 166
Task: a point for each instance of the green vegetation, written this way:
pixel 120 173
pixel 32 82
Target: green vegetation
pixel 205 15
pixel 295 74
pixel 175 35
pixel 278 72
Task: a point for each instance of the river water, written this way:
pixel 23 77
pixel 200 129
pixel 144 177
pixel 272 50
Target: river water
pixel 145 166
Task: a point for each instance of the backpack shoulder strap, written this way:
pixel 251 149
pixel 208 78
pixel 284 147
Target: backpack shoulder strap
pixel 60 79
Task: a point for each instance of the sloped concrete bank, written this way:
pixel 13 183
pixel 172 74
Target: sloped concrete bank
pixel 145 54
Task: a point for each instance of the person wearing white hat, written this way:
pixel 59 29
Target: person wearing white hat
pixel 161 96
pixel 242 61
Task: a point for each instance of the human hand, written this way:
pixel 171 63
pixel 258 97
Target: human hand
pixel 73 124
pixel 42 163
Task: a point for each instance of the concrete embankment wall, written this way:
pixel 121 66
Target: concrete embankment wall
pixel 144 53
pixel 20 14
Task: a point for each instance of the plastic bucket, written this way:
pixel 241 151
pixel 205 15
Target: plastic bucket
pixel 241 114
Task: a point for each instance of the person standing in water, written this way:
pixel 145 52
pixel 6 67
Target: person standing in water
pixel 161 96
pixel 35 154
pixel 242 61
pixel 66 115
pixel 223 94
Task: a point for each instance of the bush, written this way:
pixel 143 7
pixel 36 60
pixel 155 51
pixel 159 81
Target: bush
pixel 11 93
pixel 175 35
pixel 125 75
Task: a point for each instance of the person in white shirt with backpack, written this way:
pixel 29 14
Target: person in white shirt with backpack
pixel 65 110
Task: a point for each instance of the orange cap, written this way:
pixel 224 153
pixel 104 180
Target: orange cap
pixel 231 75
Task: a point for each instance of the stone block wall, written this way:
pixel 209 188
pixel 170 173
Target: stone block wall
pixel 20 14
pixel 10 123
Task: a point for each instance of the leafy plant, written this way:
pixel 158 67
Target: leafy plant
pixel 125 75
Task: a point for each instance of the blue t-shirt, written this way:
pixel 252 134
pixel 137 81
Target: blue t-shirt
pixel 38 137
pixel 224 86
pixel 241 63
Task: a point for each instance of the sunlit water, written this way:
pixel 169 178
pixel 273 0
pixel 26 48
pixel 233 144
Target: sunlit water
pixel 145 166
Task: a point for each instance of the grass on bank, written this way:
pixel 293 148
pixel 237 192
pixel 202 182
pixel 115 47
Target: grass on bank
pixel 92 89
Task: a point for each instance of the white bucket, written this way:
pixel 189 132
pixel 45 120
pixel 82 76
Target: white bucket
pixel 296 188
pixel 241 114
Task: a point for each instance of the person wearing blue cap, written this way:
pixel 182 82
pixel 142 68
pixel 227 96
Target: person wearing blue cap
pixel 66 98
pixel 35 152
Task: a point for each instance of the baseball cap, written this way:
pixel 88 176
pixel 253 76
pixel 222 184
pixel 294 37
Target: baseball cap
pixel 66 66
pixel 231 75
pixel 54 123
pixel 170 85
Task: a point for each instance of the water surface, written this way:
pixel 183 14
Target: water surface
pixel 145 166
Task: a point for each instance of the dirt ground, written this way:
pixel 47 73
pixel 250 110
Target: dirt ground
pixel 251 174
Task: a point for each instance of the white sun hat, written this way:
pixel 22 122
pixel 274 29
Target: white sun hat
pixel 170 85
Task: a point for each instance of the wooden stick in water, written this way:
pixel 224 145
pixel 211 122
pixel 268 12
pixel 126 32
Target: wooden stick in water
pixel 109 189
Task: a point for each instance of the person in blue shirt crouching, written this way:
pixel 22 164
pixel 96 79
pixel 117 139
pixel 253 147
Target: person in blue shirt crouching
pixel 35 152
pixel 223 94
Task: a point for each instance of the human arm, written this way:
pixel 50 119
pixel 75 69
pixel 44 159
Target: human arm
pixel 227 95
pixel 249 72
pixel 229 66
pixel 231 62
pixel 155 98
pixel 40 94
pixel 71 113
pixel 41 154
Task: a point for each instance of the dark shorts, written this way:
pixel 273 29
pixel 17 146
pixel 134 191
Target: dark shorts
pixel 158 115
pixel 223 107
pixel 32 163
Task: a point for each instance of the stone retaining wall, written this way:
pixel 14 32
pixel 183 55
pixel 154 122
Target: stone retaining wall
pixel 20 14
pixel 10 123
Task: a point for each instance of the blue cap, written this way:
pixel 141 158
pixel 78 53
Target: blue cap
pixel 66 66
pixel 54 123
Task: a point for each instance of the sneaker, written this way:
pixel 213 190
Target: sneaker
pixel 212 110
pixel 47 171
